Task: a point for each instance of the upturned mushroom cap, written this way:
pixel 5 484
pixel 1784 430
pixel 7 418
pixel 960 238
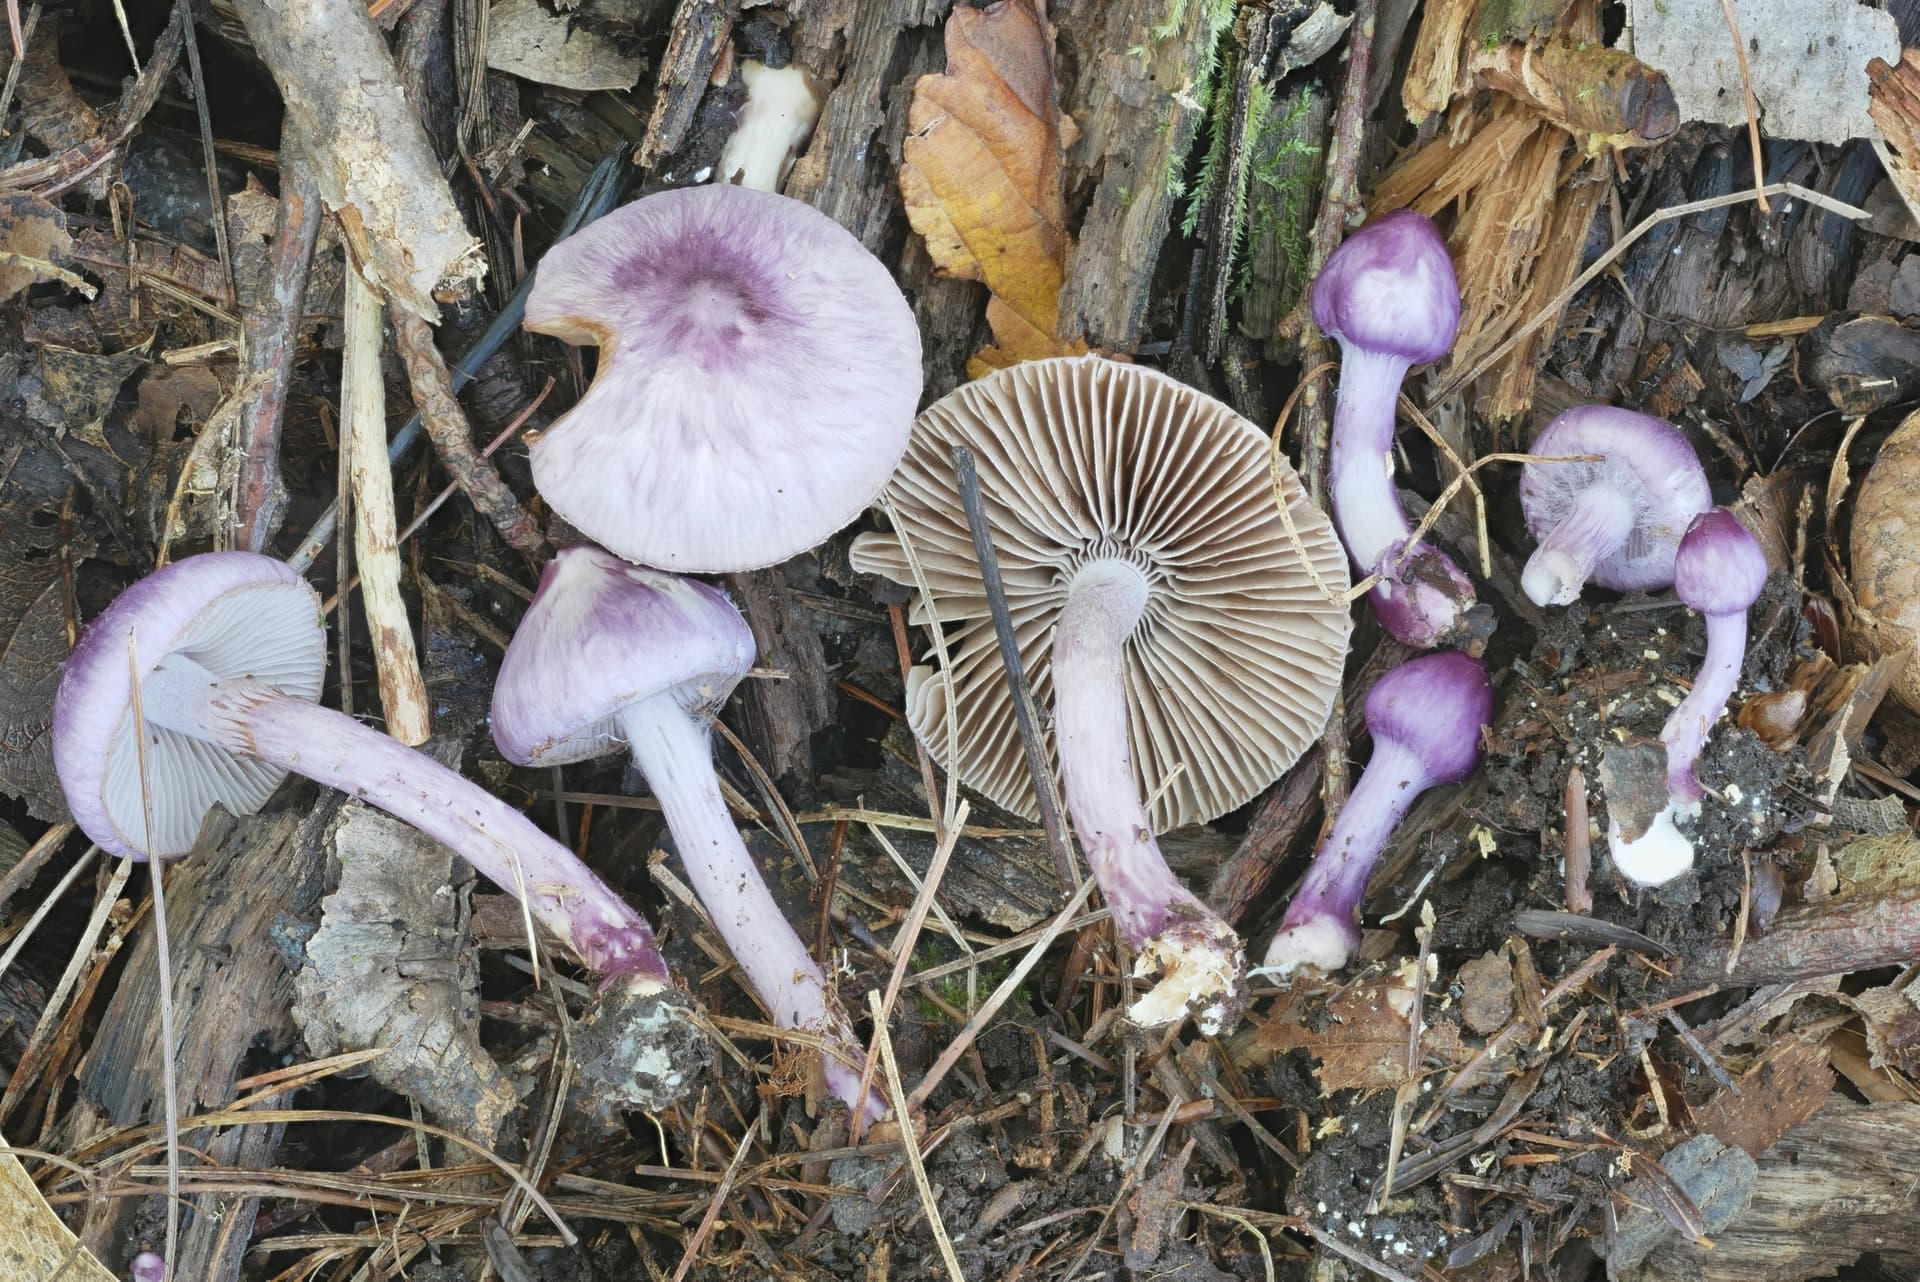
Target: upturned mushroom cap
pixel 1233 668
pixel 236 614
pixel 759 372
pixel 1648 459
pixel 602 634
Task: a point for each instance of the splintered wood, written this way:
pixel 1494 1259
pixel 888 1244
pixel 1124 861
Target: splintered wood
pixel 1523 177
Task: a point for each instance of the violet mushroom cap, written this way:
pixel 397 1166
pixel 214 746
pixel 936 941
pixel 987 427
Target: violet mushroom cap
pixel 612 654
pixel 1138 540
pixel 1389 296
pixel 1615 522
pixel 231 650
pixel 1425 717
pixel 1720 570
pixel 759 372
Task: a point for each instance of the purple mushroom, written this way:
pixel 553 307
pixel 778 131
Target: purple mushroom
pixel 147 1267
pixel 1615 522
pixel 1719 570
pixel 229 654
pixel 611 653
pixel 1425 717
pixel 759 373
pixel 1389 296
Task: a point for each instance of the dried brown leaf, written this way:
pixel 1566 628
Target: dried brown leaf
pixel 980 174
pixel 1360 1036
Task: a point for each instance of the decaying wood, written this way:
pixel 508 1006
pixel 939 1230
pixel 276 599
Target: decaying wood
pixel 1825 937
pixel 1134 98
pixel 271 332
pixel 700 28
pixel 363 451
pixel 791 708
pixel 369 150
pixel 1833 1189
pixel 229 905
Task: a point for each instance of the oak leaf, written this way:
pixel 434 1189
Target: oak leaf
pixel 981 175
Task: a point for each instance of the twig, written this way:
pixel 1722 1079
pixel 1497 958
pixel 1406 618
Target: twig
pixel 271 332
pixel 25 933
pixel 596 198
pixel 1127 1182
pixel 29 864
pixel 1025 717
pixel 216 206
pixel 1008 986
pixel 1753 111
pixel 446 425
pixel 1579 844
pixel 903 1115
pixel 700 1234
pixel 1352 1256
pixel 1559 301
pixel 363 449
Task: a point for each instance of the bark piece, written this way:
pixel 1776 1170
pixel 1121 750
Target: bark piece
pixel 1834 1188
pixel 375 166
pixel 390 967
pixel 1789 1085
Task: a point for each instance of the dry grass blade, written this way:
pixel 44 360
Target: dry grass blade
pixel 705 1228
pixel 911 1142
pixel 1017 976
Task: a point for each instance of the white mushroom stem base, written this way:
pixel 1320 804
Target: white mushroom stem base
pixel 1193 959
pixel 671 748
pixel 1660 854
pixel 1595 526
pixel 251 719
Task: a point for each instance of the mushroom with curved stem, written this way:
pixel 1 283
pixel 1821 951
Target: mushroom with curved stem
pixel 1425 717
pixel 1190 647
pixel 1616 521
pixel 759 372
pixel 611 652
pixel 231 654
pixel 1389 296
pixel 1719 569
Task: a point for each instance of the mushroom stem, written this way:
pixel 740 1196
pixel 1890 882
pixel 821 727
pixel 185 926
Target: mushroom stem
pixel 1685 733
pixel 250 718
pixel 671 748
pixel 1195 959
pixel 1322 927
pixel 1422 598
pixel 1595 526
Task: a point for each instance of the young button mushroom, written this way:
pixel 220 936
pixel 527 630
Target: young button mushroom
pixel 610 653
pixel 1425 717
pixel 758 376
pixel 1719 570
pixel 230 654
pixel 1615 522
pixel 1190 654
pixel 1389 296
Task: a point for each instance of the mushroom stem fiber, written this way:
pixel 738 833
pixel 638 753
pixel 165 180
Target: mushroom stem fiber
pixel 1685 733
pixel 671 748
pixel 248 718
pixel 1323 919
pixel 1594 527
pixel 1195 955
pixel 1360 458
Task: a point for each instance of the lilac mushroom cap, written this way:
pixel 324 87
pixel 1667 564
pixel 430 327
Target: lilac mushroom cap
pixel 612 654
pixel 758 378
pixel 1615 522
pixel 1389 296
pixel 230 651
pixel 1425 717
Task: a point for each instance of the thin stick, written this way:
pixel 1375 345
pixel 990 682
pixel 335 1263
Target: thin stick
pixel 903 1114
pixel 1753 110
pixel 363 451
pixel 29 865
pixel 998 998
pixel 446 426
pixel 215 205
pixel 1578 864
pixel 704 1230
pixel 1045 792
pixel 1559 301
pixel 19 941
pixel 169 1089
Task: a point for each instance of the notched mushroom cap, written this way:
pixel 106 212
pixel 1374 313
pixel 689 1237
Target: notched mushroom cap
pixel 1233 668
pixel 758 376
pixel 233 613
